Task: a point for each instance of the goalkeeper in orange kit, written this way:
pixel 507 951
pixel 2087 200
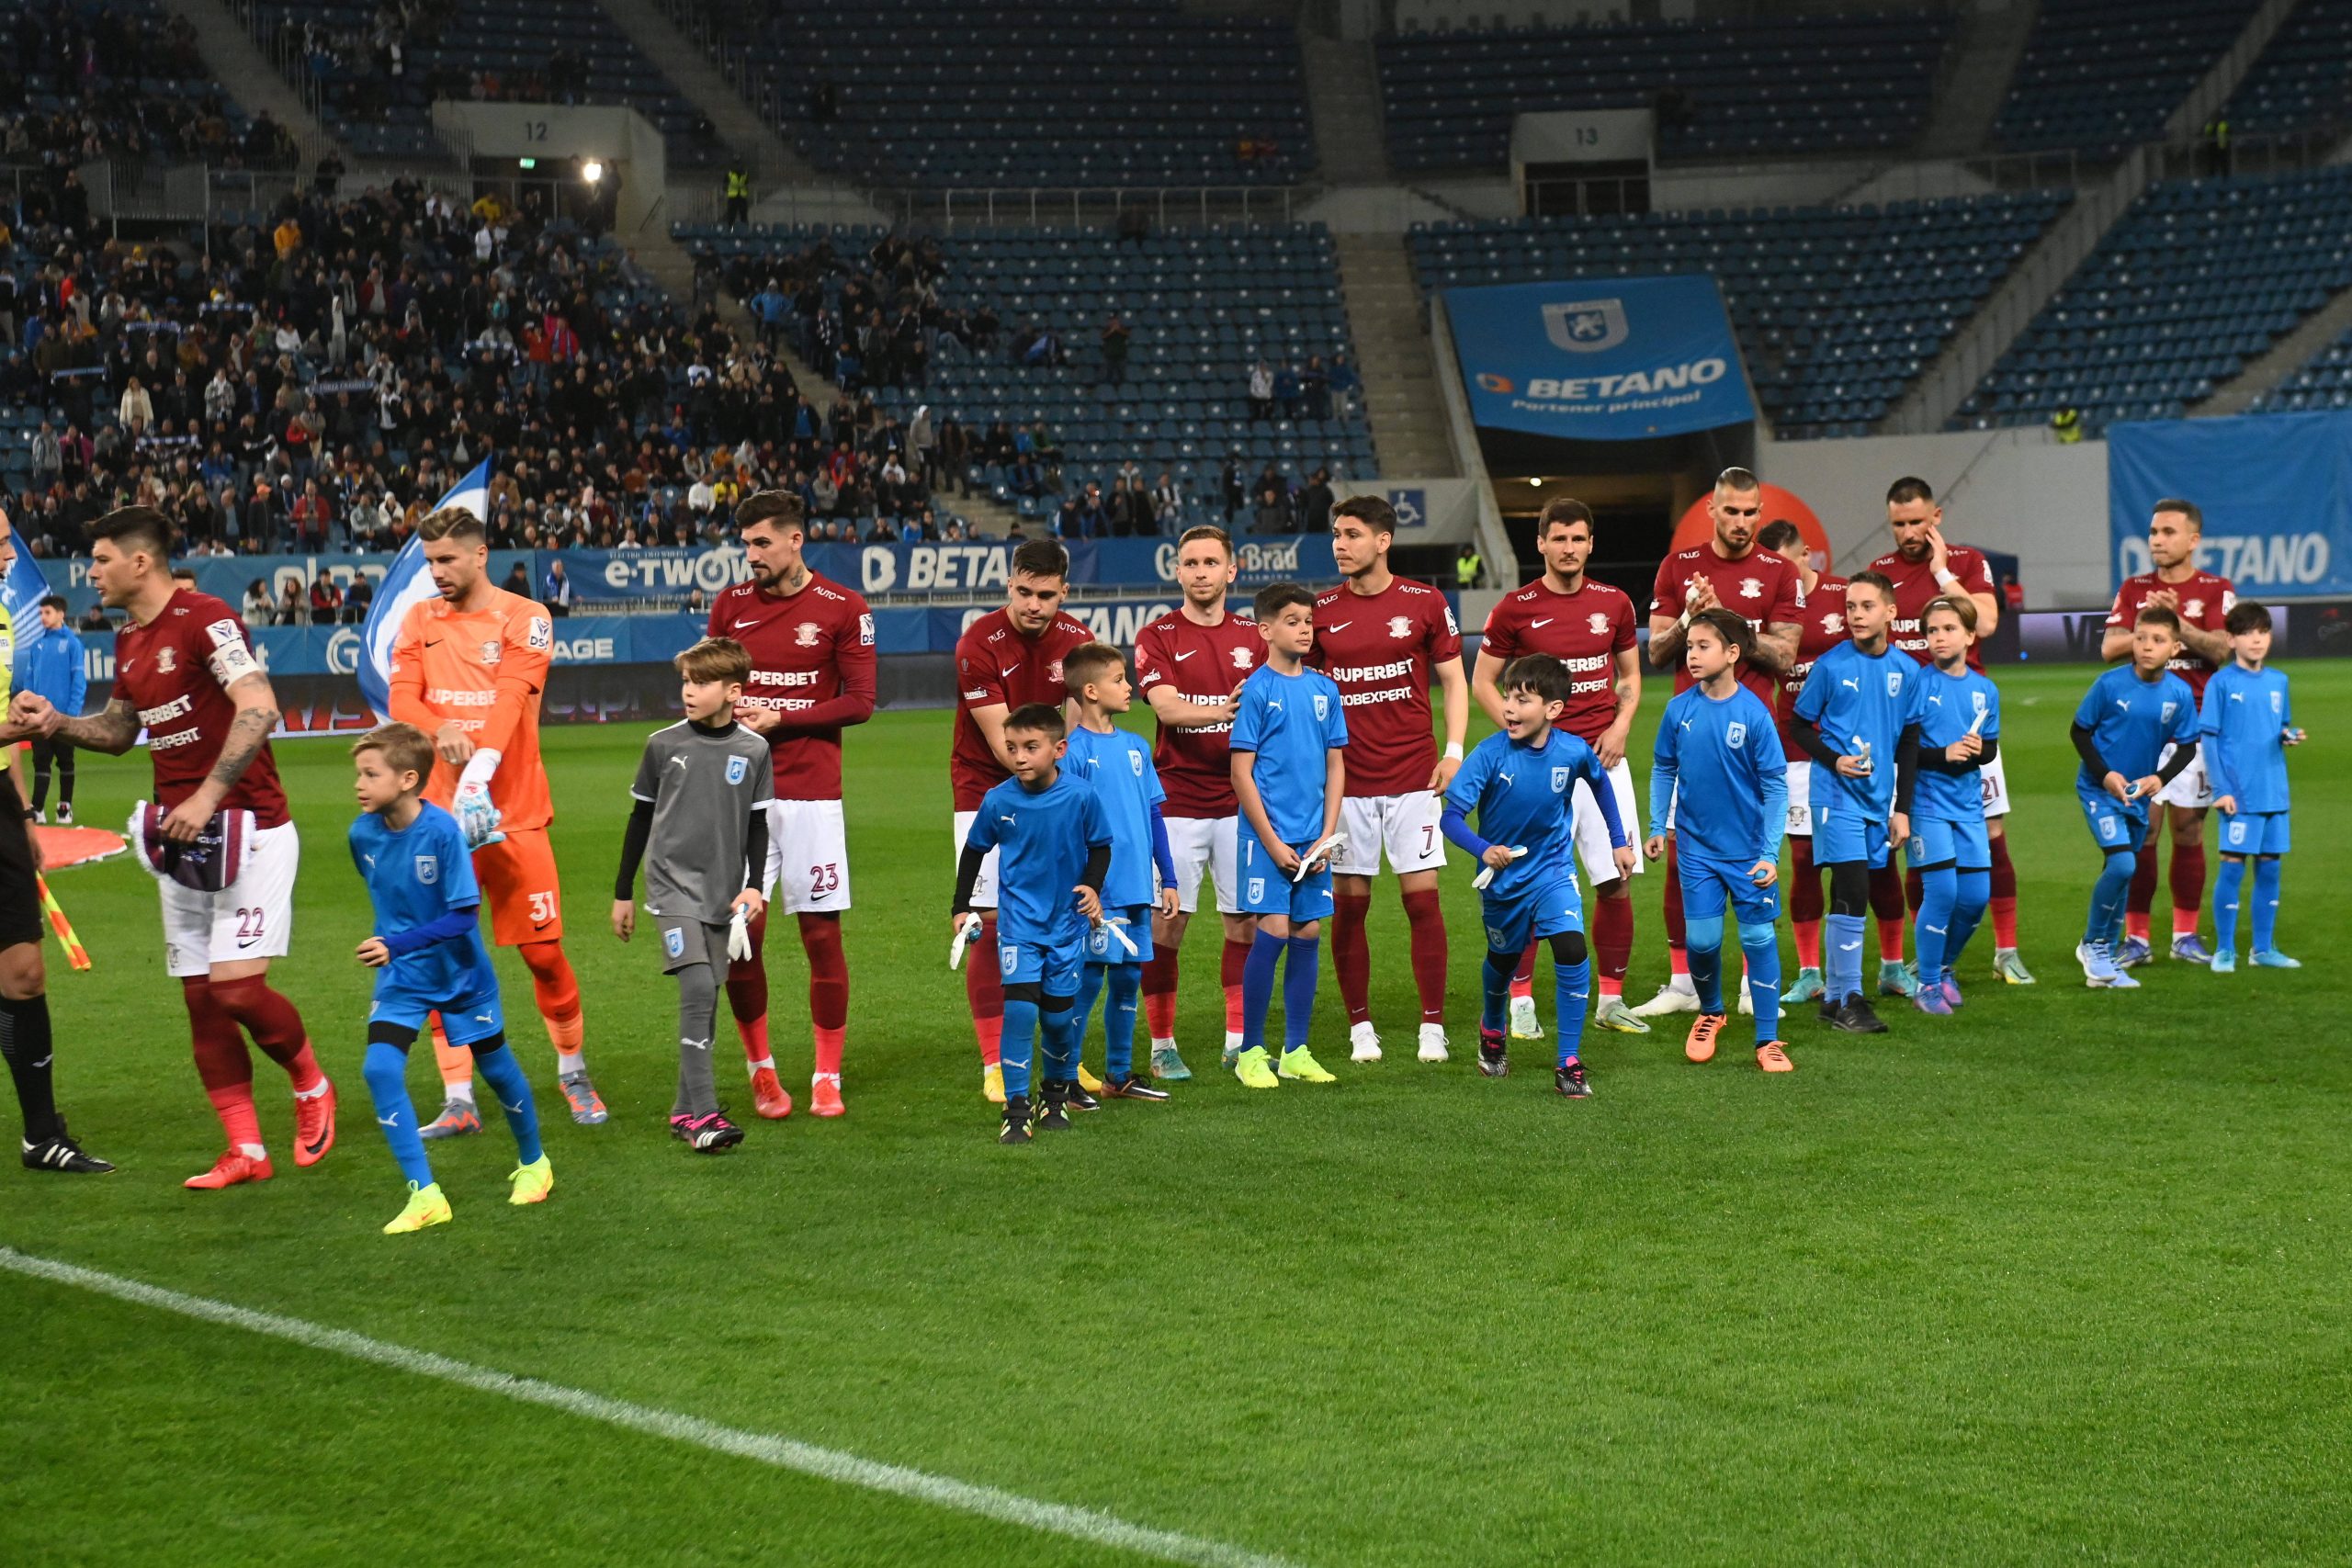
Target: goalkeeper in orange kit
pixel 468 668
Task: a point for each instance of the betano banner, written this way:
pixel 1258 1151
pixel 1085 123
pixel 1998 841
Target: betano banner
pixel 2276 489
pixel 1600 359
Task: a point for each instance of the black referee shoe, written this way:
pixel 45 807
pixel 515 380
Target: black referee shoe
pixel 61 1153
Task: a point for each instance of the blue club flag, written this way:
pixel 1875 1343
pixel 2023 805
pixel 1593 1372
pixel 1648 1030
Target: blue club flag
pixel 406 582
pixel 21 591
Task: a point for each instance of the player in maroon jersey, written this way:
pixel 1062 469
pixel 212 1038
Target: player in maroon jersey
pixel 217 837
pixel 2201 600
pixel 1590 627
pixel 1923 566
pixel 1383 640
pixel 1005 659
pixel 1727 573
pixel 1190 666
pixel 811 642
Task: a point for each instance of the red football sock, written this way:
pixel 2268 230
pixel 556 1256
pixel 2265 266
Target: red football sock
pixel 1808 934
pixel 275 1027
pixel 2142 897
pixel 557 991
pixel 984 989
pixel 1351 953
pixel 2005 895
pixel 820 939
pixel 1677 956
pixel 1522 979
pixel 222 1064
pixel 747 993
pixel 1426 917
pixel 1889 941
pixel 1160 993
pixel 2187 886
pixel 1613 941
pixel 1915 888
pixel 1886 903
pixel 1230 962
pixel 1805 901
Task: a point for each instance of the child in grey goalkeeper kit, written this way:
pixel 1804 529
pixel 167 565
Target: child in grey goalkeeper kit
pixel 701 830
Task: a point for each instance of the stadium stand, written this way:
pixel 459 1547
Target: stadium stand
pixel 2101 75
pixel 380 66
pixel 2322 381
pixel 1016 354
pixel 1837 308
pixel 2198 277
pixel 120 80
pixel 1746 89
pixel 2303 80
pixel 1003 92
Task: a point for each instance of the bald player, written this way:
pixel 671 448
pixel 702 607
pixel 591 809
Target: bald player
pixel 469 667
pixel 1924 567
pixel 1728 571
pixel 2202 601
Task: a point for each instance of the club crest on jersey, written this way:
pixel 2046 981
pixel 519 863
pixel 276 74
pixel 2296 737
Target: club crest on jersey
pixel 490 652
pixel 1257 888
pixel 2277 703
pixel 1241 659
pixel 1598 621
pixel 1135 763
pixel 1322 707
pixel 428 869
pixel 1895 682
pixel 1400 625
pixel 1560 780
pixel 1053 672
pixel 2193 609
pixel 165 659
pixel 1736 736
pixel 2169 708
pixel 1832 624
pixel 1752 588
pixel 805 634
pixel 736 767
pixel 1977 702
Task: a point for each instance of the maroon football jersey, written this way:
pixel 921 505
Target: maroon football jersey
pixel 1382 651
pixel 813 660
pixel 1584 630
pixel 2204 599
pixel 996 664
pixel 176 671
pixel 1200 664
pixel 1824 627
pixel 1763 588
pixel 1915 585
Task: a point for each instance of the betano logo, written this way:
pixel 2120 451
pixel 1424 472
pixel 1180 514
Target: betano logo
pixel 1500 385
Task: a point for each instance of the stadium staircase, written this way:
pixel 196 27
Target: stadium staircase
pixel 252 81
pixel 1395 356
pixel 1343 100
pixel 1975 78
pixel 2299 350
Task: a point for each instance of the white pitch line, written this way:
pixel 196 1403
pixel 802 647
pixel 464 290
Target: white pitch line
pixel 783 1453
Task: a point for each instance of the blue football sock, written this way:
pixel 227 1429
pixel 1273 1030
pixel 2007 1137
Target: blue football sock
pixel 504 1076
pixel 1125 984
pixel 2265 902
pixel 1061 1042
pixel 2108 895
pixel 1016 1045
pixel 1258 986
pixel 1760 942
pixel 1571 988
pixel 1974 894
pixel 386 1070
pixel 2227 889
pixel 1931 933
pixel 1298 990
pixel 1090 980
pixel 1843 956
pixel 1702 942
pixel 1494 990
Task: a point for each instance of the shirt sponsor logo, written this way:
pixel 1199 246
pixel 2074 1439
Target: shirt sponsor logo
pixel 542 633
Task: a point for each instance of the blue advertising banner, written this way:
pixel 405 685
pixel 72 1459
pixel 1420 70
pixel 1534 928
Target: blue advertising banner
pixel 2276 489
pixel 1600 359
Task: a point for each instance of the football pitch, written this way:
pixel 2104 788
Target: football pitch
pixel 2063 1278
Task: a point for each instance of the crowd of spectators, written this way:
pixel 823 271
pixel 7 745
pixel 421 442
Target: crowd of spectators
pixel 320 379
pixel 76 84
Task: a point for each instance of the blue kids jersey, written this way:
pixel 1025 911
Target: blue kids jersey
pixel 1042 842
pixel 1726 757
pixel 2247 713
pixel 1118 765
pixel 1522 795
pixel 2130 720
pixel 1859 698
pixel 1293 723
pixel 1943 707
pixel 415 876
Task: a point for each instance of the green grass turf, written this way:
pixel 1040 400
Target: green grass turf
pixel 2060 1279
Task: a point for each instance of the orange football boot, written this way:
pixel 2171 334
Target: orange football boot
pixel 825 1095
pixel 314 1125
pixel 769 1097
pixel 1701 1045
pixel 229 1170
pixel 1773 1057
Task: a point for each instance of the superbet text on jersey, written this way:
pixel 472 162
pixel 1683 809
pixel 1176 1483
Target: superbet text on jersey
pixel 1202 665
pixel 996 666
pixel 809 649
pixel 1585 630
pixel 1382 651
pixel 1762 588
pixel 2203 601
pixel 1915 585
pixel 175 672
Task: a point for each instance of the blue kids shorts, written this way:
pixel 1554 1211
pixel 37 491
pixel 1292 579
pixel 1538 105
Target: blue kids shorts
pixel 1050 966
pixel 464 1020
pixel 2115 825
pixel 1546 908
pixel 1939 840
pixel 2254 833
pixel 1711 886
pixel 1839 836
pixel 1268 890
pixel 1101 947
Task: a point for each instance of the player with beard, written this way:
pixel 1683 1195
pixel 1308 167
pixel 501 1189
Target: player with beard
pixel 811 642
pixel 1766 590
pixel 1924 567
pixel 1006 660
pixel 1383 640
pixel 1588 627
pixel 1190 666
pixel 2202 601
